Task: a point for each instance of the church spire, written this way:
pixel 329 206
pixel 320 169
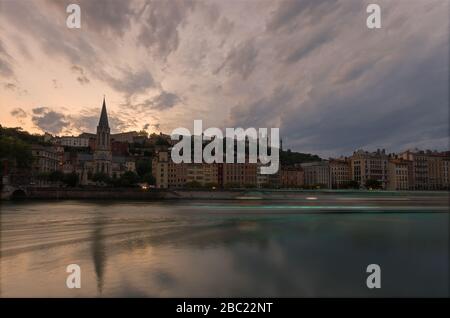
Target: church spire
pixel 104 116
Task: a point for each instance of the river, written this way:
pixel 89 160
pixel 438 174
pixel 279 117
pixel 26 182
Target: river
pixel 315 245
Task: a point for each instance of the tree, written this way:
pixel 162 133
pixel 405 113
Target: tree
pixel 193 185
pixel 211 185
pixel 373 184
pixel 232 185
pixel 128 179
pixel 71 179
pixel 56 176
pixel 290 157
pixel 149 179
pixel 352 184
pixel 143 133
pixel 160 141
pixel 143 167
pixel 100 177
pixel 15 151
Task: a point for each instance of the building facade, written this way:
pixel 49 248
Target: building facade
pixel 45 159
pixel 202 173
pixel 340 174
pixel 76 142
pixel 399 175
pixel 429 169
pixel 292 177
pixel 239 175
pixel 367 166
pixel 317 174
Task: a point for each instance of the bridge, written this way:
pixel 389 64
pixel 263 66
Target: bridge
pixel 13 192
pixel 10 191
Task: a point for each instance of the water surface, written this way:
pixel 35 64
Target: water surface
pixel 310 246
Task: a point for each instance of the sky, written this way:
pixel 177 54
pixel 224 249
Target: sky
pixel 310 67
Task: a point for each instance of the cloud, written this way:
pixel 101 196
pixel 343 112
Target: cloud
pixel 6 69
pixel 310 67
pixel 55 83
pixel 19 113
pixel 81 77
pixel 87 121
pixel 241 60
pixel 130 82
pixel 262 112
pixel 312 42
pixel 164 101
pixel 10 86
pixel 290 12
pixel 49 120
pixel 83 50
pixel 160 30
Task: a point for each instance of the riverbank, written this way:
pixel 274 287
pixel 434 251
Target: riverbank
pixel 195 194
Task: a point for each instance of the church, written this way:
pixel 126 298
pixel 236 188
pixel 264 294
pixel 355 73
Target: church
pixel 100 157
pixel 102 153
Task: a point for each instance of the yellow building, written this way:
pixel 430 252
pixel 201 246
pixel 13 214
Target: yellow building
pixel 430 169
pixel 366 166
pixel 399 174
pixel 339 173
pixel 202 173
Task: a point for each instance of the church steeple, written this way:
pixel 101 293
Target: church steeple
pixel 102 154
pixel 104 116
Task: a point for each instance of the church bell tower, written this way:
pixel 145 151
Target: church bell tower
pixel 102 154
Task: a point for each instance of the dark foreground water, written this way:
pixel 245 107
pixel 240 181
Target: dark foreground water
pixel 313 245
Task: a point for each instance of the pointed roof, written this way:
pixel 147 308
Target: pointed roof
pixel 104 116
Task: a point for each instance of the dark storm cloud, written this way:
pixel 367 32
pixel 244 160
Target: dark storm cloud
pixel 356 88
pixel 405 107
pixel 49 120
pixel 241 60
pixel 161 20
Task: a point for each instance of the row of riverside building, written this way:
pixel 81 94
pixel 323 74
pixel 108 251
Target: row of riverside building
pixel 409 170
pixel 107 153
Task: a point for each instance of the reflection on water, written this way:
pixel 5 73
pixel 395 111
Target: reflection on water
pixel 98 250
pixel 294 247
